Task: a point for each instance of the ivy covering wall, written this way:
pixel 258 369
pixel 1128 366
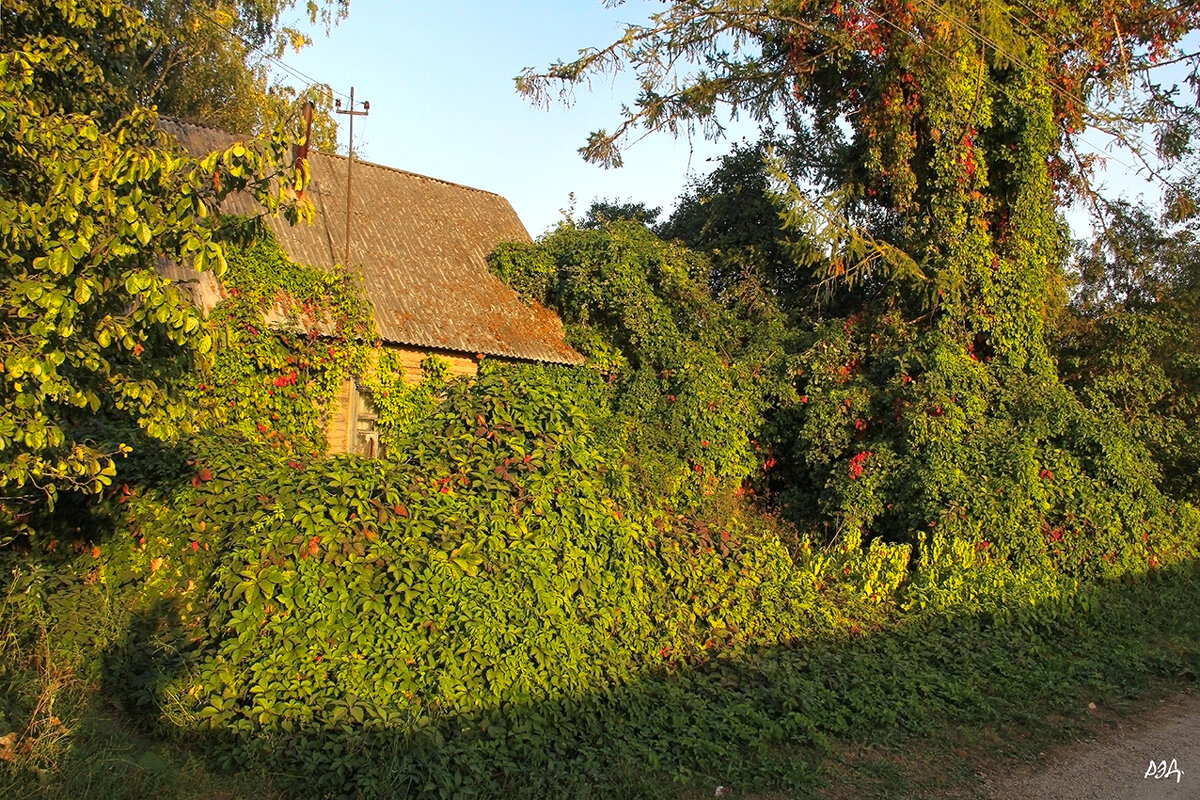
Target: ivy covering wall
pixel 289 336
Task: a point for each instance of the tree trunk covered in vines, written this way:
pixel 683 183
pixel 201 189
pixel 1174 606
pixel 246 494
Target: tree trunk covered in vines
pixel 937 145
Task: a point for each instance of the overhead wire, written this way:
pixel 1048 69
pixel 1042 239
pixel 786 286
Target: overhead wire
pixel 307 80
pixel 304 78
pixel 250 46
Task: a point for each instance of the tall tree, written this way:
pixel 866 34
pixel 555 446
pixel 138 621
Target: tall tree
pixel 1129 343
pixel 91 199
pixel 932 116
pixel 210 63
pixel 944 136
pixel 735 213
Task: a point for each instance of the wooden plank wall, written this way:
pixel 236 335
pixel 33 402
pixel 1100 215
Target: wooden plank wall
pixel 410 360
pixel 337 427
pixel 340 427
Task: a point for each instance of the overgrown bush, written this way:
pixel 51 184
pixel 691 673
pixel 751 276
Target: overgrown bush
pixel 549 551
pixel 690 378
pixel 498 560
pixel 1128 343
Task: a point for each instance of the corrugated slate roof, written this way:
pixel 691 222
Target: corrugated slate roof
pixel 421 245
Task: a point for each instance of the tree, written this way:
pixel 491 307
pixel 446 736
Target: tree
pixel 1129 342
pixel 602 212
pixel 944 139
pixel 91 198
pixel 209 63
pixel 686 376
pixel 908 108
pixel 736 214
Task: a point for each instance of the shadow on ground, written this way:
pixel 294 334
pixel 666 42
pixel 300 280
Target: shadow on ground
pixel 764 721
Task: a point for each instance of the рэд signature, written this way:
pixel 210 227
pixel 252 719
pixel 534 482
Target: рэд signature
pixel 1159 770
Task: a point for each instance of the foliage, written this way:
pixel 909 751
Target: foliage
pixel 90 201
pixel 287 338
pixel 479 565
pixel 857 83
pixel 689 377
pixel 1128 345
pixel 736 215
pixel 504 604
pixel 401 404
pixel 208 63
pixel 497 559
pixel 554 576
pixel 225 617
pixel 932 401
pixel 605 211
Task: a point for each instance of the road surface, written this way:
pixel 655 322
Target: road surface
pixel 1152 756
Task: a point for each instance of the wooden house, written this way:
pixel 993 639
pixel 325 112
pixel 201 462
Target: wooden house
pixel 420 245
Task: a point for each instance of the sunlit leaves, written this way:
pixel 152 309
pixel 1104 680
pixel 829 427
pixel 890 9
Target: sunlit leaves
pixel 93 198
pixel 690 375
pixel 210 62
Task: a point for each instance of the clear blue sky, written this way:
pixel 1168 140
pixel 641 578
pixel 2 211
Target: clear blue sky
pixel 439 77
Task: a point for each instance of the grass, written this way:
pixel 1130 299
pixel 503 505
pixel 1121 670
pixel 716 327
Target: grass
pixel 954 762
pixel 919 711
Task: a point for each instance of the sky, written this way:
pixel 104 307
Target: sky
pixel 439 78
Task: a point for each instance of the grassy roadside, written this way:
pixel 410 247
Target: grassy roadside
pixel 955 763
pixel 1116 674
pixel 913 712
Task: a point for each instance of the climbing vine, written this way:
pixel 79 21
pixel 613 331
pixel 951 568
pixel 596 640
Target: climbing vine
pixel 687 377
pixel 402 404
pixel 288 338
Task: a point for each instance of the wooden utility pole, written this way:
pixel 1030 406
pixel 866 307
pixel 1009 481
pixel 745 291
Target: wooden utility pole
pixel 366 108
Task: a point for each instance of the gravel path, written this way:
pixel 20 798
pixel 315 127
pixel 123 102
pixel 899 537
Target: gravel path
pixel 1115 766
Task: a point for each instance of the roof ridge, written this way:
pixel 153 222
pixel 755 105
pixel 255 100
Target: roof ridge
pixel 377 165
pixel 413 174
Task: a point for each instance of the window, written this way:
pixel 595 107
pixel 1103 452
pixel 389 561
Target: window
pixel 364 435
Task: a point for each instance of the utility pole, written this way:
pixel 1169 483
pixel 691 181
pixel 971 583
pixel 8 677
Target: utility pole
pixel 366 108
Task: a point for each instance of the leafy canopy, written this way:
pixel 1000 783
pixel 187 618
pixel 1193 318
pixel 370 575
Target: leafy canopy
pixel 91 198
pixel 688 376
pixel 210 63
pixel 938 141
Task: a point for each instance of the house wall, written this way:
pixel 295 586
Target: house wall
pixel 410 360
pixel 348 426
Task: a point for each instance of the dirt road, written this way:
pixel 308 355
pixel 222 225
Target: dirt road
pixel 1126 763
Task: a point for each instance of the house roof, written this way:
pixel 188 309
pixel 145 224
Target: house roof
pixel 420 245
